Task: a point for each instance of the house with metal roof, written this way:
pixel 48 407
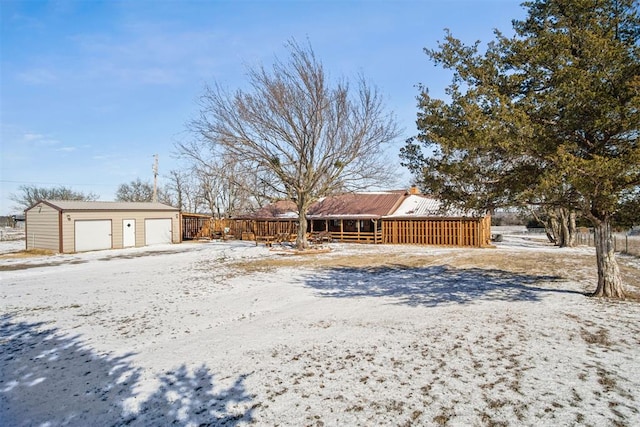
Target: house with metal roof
pixel 348 217
pixel 393 217
pixel 421 219
pixel 67 226
pixel 354 217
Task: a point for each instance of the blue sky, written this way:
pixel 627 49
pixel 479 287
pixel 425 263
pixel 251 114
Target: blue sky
pixel 91 90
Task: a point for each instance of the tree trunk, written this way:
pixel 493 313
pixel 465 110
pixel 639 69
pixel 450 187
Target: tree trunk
pixel 572 229
pixel 567 228
pixel 560 227
pixel 552 228
pixel 563 228
pixel 609 279
pixel 548 229
pixel 301 239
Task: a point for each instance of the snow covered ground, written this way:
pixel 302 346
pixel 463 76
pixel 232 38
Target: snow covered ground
pixel 227 333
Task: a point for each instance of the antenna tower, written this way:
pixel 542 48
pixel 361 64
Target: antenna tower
pixel 155 179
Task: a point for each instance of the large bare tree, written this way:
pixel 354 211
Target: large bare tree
pixel 311 136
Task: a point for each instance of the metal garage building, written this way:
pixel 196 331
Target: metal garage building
pixel 76 226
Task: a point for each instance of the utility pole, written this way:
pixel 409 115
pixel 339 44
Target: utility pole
pixel 155 179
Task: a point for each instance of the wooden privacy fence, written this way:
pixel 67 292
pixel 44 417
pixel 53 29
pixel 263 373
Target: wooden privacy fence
pixel 199 226
pixel 195 226
pixel 474 232
pixel 465 232
pixel 250 229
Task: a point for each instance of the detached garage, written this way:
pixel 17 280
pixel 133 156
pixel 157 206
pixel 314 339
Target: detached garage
pixel 76 226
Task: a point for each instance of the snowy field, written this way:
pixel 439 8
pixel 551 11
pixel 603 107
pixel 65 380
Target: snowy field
pixel 227 333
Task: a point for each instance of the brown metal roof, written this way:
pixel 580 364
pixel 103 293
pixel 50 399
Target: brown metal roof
pixel 357 205
pixel 76 205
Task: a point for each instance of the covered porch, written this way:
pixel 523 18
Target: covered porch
pixel 348 229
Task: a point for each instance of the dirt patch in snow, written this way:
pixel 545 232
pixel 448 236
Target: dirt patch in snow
pixel 574 265
pixel 26 254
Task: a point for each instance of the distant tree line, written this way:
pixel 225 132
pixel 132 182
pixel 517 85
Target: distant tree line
pixel 29 195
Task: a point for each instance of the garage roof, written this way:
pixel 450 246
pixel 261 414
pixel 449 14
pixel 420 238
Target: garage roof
pixel 75 205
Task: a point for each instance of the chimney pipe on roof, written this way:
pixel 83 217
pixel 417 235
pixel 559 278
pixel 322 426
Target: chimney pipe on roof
pixel 414 190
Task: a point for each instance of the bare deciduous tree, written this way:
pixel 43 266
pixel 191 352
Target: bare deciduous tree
pixel 30 194
pixel 222 186
pixel 141 191
pixel 183 188
pixel 310 136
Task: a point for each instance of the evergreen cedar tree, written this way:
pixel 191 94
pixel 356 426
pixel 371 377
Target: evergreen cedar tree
pixel 549 117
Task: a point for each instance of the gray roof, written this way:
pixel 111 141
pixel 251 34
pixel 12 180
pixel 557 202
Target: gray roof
pixel 415 206
pixel 75 205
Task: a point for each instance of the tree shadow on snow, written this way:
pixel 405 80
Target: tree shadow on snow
pixel 431 286
pixel 47 378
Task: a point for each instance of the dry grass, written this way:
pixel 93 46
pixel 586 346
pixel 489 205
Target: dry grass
pixel 333 261
pixel 27 254
pixel 575 267
pixel 472 258
pixel 628 244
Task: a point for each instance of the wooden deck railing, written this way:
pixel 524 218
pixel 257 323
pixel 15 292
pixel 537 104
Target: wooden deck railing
pixel 356 237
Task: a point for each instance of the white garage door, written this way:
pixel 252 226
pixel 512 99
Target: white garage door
pixel 92 235
pixel 157 231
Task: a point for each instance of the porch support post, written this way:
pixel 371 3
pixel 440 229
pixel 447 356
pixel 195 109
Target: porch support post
pixel 375 231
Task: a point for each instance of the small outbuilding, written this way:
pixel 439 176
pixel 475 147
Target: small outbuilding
pixel 67 226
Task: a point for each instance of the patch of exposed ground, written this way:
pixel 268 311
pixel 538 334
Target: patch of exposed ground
pixel 26 254
pixel 25 266
pixel 562 264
